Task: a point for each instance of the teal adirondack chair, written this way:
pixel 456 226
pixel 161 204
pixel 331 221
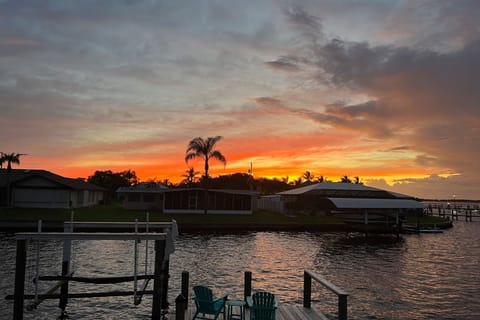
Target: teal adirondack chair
pixel 207 304
pixel 263 306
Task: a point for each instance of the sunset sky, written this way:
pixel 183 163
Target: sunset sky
pixel 385 90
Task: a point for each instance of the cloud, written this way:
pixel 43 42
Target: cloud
pixel 285 63
pixel 418 96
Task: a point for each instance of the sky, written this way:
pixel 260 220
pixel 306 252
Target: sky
pixel 384 90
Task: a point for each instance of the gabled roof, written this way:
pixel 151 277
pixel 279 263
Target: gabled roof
pixel 143 187
pixel 344 190
pixel 231 191
pixel 18 175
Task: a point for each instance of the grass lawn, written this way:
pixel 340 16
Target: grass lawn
pixel 115 212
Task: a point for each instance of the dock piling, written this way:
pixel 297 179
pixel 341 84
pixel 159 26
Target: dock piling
pixel 20 265
pixel 185 284
pixel 247 288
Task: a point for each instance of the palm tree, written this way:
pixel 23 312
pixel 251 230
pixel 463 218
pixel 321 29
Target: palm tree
pixel 10 158
pixel 308 176
pixel 345 179
pixel 200 148
pixel 190 176
pixel 205 149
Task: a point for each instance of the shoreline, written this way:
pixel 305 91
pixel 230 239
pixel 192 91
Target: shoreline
pixel 57 226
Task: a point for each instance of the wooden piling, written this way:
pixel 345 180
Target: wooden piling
pixel 185 284
pixel 307 290
pixel 247 285
pixel 342 307
pixel 158 280
pixel 180 303
pixel 20 265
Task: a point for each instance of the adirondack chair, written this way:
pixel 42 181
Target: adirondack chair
pixel 262 305
pixel 207 304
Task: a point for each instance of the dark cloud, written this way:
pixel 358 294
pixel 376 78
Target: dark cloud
pixel 419 96
pixel 284 64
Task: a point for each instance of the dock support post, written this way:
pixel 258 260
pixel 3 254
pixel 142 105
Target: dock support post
pixel 342 307
pixel 20 265
pixel 66 264
pixel 180 303
pixel 247 285
pixel 185 284
pixel 307 290
pixel 158 279
pixel 165 276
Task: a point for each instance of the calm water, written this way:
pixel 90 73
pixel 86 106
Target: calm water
pixel 428 276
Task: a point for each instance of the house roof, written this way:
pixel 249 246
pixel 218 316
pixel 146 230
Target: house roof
pixel 340 189
pixel 17 175
pixel 360 203
pixel 143 187
pixel 231 191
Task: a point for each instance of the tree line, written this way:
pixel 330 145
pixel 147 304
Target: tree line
pixel 197 148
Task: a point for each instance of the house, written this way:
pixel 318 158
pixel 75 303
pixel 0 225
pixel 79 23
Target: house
pixel 143 196
pixel 220 201
pixel 43 189
pixel 353 203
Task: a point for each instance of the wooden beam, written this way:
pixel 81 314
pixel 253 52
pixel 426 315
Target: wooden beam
pixel 89 236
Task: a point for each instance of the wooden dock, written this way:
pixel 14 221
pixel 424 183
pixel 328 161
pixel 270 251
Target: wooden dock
pixel 283 311
pixel 298 312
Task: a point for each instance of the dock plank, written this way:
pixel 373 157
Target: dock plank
pixel 284 312
pixel 298 312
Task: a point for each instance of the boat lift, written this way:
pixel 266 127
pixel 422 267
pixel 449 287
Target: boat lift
pixel 163 248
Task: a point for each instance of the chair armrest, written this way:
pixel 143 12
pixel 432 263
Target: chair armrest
pixel 224 297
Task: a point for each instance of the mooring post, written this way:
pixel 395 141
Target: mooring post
pixel 307 290
pixel 185 284
pixel 247 287
pixel 20 264
pixel 66 260
pixel 342 307
pixel 165 276
pixel 158 280
pixel 180 303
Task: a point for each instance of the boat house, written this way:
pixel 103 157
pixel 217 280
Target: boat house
pixel 353 203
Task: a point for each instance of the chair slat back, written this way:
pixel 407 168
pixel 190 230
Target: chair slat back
pixel 203 299
pixel 263 307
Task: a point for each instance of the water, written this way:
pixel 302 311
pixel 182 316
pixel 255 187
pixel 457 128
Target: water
pixel 427 276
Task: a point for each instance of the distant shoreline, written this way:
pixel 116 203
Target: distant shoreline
pixel 50 226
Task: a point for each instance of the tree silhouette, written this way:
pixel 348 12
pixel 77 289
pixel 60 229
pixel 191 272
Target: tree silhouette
pixel 205 149
pixel 200 148
pixel 190 176
pixel 10 158
pixel 308 176
pixel 346 179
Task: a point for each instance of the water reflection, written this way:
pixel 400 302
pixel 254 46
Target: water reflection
pixel 431 276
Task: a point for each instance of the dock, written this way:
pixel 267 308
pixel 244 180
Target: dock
pixel 283 311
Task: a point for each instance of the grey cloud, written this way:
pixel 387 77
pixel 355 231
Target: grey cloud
pixel 288 64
